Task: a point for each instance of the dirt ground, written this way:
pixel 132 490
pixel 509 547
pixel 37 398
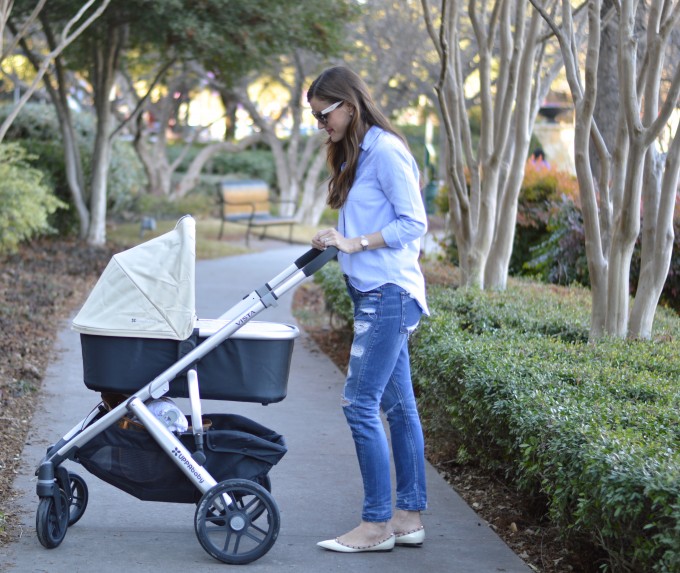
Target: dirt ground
pixel 44 282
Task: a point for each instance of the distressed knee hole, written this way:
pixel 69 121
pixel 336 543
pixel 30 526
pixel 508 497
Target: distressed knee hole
pixel 361 326
pixel 357 350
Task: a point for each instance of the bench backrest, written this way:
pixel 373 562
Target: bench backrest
pixel 238 195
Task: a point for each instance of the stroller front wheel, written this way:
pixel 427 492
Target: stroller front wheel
pixel 242 530
pixel 51 520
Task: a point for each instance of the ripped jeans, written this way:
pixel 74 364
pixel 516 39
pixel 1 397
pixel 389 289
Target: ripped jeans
pixel 379 376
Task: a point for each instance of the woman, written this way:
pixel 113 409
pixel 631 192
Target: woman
pixel 374 184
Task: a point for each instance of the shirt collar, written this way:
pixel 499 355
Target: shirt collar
pixel 371 137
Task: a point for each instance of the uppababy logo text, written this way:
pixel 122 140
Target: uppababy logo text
pixel 188 464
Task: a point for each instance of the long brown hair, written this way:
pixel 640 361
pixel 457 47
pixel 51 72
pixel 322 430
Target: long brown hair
pixel 342 84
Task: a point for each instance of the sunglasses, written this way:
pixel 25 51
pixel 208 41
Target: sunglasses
pixel 322 116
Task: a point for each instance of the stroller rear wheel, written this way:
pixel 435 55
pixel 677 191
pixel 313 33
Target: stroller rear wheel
pixel 266 482
pixel 241 531
pixel 79 498
pixel 51 520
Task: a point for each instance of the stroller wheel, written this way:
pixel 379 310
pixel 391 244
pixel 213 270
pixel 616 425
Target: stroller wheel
pixel 50 522
pixel 241 531
pixel 266 482
pixel 79 498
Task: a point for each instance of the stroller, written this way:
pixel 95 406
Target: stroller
pixel 143 344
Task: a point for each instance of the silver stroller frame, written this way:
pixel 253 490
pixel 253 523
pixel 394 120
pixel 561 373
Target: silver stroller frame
pixel 227 514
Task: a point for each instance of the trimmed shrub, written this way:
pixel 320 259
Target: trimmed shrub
pixel 592 429
pixel 509 380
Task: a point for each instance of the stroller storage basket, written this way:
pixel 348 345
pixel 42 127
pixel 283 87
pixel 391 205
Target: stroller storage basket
pixel 131 460
pixel 251 366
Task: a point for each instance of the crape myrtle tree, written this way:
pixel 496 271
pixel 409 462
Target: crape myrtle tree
pixel 216 44
pixel 92 60
pixel 26 200
pixel 45 53
pixel 297 155
pixel 634 190
pixel 387 44
pixel 228 36
pixel 503 45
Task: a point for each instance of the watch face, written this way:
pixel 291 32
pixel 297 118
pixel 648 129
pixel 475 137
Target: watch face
pixel 364 243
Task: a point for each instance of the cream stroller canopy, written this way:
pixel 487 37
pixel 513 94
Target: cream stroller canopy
pixel 147 291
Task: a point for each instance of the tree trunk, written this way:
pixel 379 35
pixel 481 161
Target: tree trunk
pixel 155 162
pixel 626 231
pixel 314 196
pixel 498 263
pixel 655 264
pixel 659 185
pixel 57 90
pixel 151 146
pixel 73 164
pixel 106 55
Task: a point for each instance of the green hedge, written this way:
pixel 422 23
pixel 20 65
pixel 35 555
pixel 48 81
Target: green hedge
pixel 509 380
pixel 335 291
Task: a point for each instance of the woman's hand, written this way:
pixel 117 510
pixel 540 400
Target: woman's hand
pixel 331 238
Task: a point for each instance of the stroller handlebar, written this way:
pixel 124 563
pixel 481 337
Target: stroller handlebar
pixel 314 259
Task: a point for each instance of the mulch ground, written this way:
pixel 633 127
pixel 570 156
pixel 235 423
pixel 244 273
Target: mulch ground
pixel 42 283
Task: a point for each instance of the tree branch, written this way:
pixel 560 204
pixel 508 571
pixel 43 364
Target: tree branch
pixel 430 27
pixel 65 42
pixel 7 6
pixel 140 103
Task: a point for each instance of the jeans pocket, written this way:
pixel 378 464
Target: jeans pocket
pixel 410 314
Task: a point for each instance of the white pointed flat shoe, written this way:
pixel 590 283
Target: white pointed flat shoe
pixel 413 538
pixel 335 545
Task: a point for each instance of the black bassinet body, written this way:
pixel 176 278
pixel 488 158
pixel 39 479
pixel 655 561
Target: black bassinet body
pixel 251 366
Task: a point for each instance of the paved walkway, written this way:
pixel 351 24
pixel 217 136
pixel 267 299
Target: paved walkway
pixel 316 485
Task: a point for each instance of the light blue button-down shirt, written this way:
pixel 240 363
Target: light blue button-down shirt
pixel 385 197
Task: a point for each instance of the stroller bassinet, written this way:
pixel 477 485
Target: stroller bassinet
pixel 139 319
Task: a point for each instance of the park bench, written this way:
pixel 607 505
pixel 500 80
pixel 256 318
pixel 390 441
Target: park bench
pixel 249 203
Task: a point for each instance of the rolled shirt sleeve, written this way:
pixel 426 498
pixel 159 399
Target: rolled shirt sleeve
pixel 399 181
